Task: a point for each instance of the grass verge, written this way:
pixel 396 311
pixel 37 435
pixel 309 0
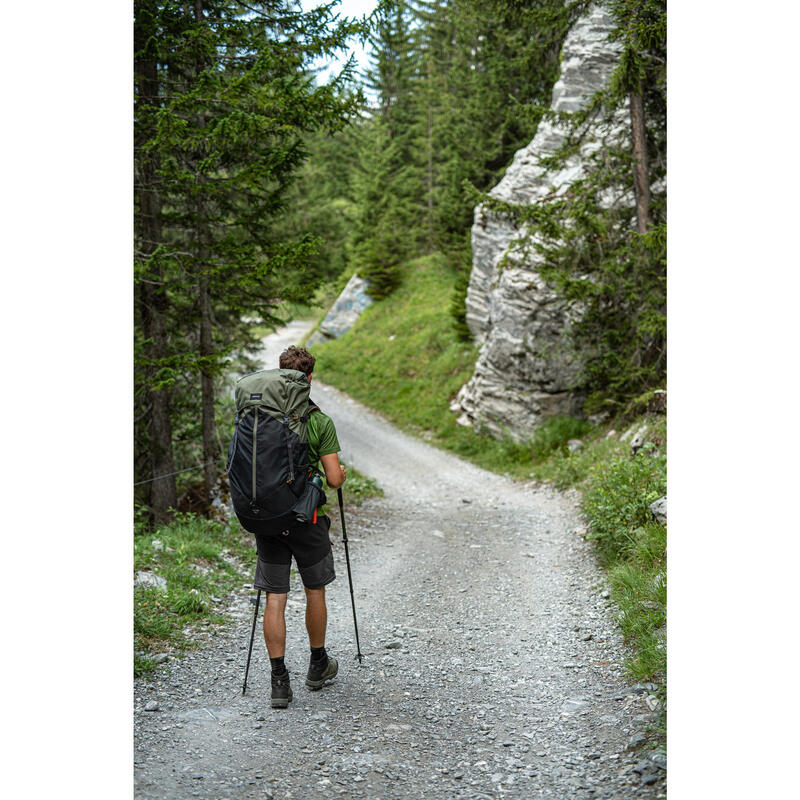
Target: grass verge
pixel 199 560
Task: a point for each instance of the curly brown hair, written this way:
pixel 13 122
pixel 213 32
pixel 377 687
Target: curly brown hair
pixel 297 358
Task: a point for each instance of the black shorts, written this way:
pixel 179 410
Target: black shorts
pixel 311 548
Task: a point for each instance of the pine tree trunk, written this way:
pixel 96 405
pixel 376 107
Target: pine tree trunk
pixel 641 181
pixel 163 493
pixel 210 453
pixel 430 158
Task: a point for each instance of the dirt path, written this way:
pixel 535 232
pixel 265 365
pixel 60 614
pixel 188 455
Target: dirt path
pixel 493 663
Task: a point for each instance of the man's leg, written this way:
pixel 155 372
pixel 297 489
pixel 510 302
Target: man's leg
pixel 312 550
pixel 322 667
pixel 316 617
pixel 275 625
pixel 275 637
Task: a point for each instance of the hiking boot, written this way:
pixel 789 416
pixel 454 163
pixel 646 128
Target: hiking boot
pixel 318 674
pixel 281 690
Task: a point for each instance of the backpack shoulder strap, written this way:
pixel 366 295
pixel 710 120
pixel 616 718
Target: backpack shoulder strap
pixel 312 406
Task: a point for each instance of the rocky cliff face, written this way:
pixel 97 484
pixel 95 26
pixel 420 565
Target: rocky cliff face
pixel 526 370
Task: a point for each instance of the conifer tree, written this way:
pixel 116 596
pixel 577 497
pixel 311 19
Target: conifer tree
pixel 235 102
pixel 388 185
pixel 604 240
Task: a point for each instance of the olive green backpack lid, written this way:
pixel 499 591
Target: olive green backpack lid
pixel 281 393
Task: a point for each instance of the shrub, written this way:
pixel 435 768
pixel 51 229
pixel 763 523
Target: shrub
pixel 618 501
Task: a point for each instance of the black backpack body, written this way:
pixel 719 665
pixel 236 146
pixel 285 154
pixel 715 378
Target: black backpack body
pixel 268 466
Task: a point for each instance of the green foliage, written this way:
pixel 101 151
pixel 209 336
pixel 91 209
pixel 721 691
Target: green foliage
pixel 458 308
pixel 619 498
pixel 555 432
pixel 640 591
pixel 448 84
pixel 380 238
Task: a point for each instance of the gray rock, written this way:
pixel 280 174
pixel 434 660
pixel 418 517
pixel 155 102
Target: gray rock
pixel 144 578
pixel 343 314
pixel 628 433
pixel 658 402
pixel 158 545
pixel 152 706
pixel 637 740
pixel 638 440
pixel 652 702
pixel 526 369
pixel 573 704
pixel 574 445
pixel 160 658
pixel 659 510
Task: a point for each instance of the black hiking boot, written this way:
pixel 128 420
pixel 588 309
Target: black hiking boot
pixel 281 690
pixel 319 673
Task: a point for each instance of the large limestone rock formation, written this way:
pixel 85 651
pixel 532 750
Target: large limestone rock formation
pixel 526 370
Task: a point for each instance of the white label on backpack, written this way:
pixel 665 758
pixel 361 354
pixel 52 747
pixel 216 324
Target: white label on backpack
pixel 255 396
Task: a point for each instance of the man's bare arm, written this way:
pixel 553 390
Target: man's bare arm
pixel 335 473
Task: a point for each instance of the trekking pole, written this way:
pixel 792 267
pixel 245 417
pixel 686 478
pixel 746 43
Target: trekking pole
pixel 349 576
pixel 252 635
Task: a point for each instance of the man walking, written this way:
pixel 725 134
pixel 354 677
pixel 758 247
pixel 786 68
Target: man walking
pixel 311 548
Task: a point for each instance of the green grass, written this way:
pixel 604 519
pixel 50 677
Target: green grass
pixel 358 487
pixel 191 559
pixel 632 548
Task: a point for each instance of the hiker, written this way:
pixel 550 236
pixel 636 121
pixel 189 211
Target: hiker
pixel 311 548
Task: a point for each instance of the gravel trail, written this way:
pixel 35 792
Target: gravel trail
pixel 493 664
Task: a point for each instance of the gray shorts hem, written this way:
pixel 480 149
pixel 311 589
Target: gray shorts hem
pixel 273 578
pixel 320 574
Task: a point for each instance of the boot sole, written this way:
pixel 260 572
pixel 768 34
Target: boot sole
pixel 315 685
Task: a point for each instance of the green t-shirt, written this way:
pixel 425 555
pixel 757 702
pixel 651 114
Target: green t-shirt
pixel 322 438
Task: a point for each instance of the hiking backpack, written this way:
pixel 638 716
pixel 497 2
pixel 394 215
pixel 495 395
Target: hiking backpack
pixel 268 466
